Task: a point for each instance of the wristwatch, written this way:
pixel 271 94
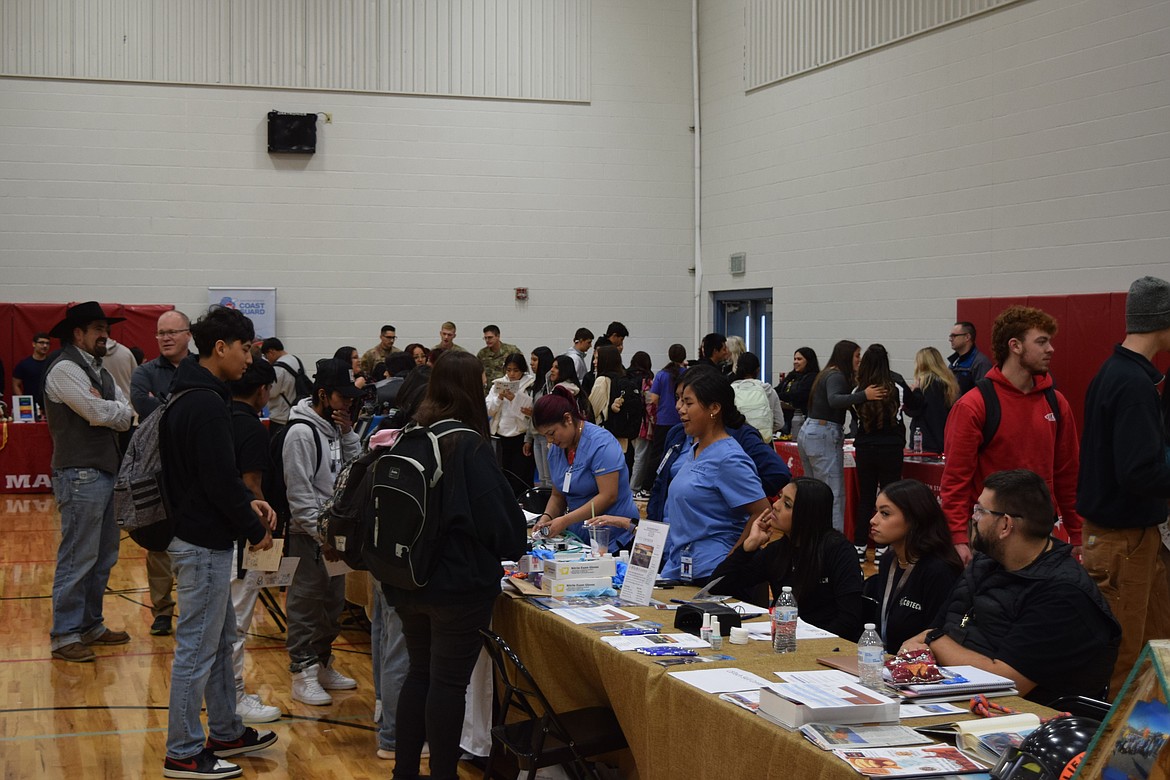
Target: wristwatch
pixel 937 633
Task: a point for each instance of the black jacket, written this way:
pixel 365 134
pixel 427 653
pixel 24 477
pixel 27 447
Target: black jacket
pixel 930 411
pixel 485 527
pixel 210 504
pixel 915 603
pixel 834 604
pixel 1047 621
pixel 1124 478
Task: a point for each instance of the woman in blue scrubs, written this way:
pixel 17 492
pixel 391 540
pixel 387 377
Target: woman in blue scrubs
pixel 715 489
pixel 588 471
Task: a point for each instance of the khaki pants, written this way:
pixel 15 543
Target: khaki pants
pixel 1131 566
pixel 161 582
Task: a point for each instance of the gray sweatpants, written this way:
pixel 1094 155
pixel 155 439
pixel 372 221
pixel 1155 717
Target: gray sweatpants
pixel 314 603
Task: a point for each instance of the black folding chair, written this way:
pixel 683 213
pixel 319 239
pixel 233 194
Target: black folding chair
pixel 536 499
pixel 543 737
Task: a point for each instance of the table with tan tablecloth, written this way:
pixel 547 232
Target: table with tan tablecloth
pixel 674 729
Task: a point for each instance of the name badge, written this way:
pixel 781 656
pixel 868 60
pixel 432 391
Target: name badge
pixel 568 479
pixel 686 565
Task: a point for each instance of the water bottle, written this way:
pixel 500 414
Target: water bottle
pixel 918 440
pixel 870 654
pixel 784 622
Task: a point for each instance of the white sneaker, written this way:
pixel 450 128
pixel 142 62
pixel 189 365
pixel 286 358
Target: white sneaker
pixel 252 710
pixel 333 680
pixel 307 689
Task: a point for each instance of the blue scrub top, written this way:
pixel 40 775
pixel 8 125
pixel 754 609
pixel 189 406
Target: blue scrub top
pixel 597 453
pixel 702 506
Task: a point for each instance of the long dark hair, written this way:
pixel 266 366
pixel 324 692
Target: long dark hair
pixel 566 370
pixel 455 392
pixel 641 367
pixel 875 370
pixel 812 528
pixel 710 386
pixel 544 361
pixel 813 365
pixel 345 353
pixel 841 360
pixel 677 354
pixel 609 362
pixel 928 535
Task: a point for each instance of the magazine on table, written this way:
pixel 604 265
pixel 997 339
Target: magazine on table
pixel 829 736
pixel 930 761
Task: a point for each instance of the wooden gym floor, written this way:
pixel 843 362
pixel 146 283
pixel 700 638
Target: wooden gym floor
pixel 108 719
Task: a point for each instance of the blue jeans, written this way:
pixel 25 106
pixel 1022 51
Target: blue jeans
pixel 540 455
pixel 88 551
pixel 820 444
pixel 390 659
pixel 202 669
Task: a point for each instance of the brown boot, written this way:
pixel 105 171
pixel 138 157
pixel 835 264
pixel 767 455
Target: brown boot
pixel 75 651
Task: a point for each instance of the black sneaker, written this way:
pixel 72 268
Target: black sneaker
pixel 161 626
pixel 248 742
pixel 204 764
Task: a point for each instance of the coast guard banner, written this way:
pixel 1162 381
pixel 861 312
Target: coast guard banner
pixel 259 303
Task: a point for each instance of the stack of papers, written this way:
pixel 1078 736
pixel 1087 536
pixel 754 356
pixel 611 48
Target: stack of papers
pixel 722 680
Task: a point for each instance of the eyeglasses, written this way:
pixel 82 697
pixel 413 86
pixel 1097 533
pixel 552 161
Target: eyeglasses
pixel 978 513
pixel 954 336
pixel 170 334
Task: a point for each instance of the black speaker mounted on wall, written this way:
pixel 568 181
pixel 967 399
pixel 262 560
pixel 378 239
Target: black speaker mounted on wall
pixel 295 133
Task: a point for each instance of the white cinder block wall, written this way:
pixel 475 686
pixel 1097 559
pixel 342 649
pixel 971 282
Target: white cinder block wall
pixel 414 210
pixel 1026 151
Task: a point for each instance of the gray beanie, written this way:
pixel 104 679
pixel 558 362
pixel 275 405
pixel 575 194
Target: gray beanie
pixel 1147 306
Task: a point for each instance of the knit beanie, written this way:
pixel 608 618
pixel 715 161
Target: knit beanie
pixel 1147 306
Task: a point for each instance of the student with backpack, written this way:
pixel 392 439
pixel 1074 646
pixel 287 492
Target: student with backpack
pixel 291 385
pixel 617 400
pixel 320 438
pixel 756 400
pixel 480 525
pixel 210 508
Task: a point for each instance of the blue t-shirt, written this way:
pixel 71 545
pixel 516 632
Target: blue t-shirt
pixel 663 387
pixel 702 506
pixel 598 453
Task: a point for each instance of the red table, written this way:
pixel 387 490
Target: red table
pixel 26 451
pixel 925 469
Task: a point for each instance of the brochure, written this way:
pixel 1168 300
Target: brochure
pixel 929 761
pixel 645 556
pixel 798 703
pixel 828 736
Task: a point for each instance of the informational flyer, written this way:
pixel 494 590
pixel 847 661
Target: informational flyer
pixel 645 556
pixel 281 578
pixel 264 560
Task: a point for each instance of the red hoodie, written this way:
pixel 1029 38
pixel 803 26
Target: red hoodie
pixel 1028 438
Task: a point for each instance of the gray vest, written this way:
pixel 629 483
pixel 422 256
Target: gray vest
pixel 76 443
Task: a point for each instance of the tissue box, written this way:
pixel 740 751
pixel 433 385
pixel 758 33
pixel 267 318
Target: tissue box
pixel 575 587
pixel 590 567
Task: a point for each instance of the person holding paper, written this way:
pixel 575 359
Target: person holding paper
pixel 812 557
pixel 916 574
pixel 1024 608
pixel 505 404
pixel 319 440
pixel 715 490
pixel 588 470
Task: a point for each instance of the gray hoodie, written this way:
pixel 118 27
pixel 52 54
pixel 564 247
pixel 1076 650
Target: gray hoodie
pixel 309 486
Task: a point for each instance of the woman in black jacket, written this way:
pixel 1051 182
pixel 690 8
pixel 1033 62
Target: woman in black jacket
pixel 816 560
pixel 441 621
pixel 931 400
pixel 915 576
pixel 794 387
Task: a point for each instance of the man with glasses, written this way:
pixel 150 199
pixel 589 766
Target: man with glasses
pixel 1024 608
pixel 381 351
pixel 28 378
pixel 968 364
pixel 149 387
pixel 494 353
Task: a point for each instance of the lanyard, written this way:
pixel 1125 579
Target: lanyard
pixel 886 599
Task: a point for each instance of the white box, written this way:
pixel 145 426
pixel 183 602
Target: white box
pixel 590 567
pixel 575 587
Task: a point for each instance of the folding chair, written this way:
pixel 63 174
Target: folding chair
pixel 544 737
pixel 536 499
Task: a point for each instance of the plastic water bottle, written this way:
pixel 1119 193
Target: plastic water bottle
pixel 917 440
pixel 870 654
pixel 784 622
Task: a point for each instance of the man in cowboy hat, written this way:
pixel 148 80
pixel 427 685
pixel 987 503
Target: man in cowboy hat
pixel 85 412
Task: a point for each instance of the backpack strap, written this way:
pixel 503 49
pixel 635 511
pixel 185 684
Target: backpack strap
pixel 316 439
pixel 436 431
pixel 991 411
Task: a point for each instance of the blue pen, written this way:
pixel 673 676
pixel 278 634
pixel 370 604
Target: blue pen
pixel 637 631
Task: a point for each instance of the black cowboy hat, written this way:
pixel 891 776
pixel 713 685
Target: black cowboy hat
pixel 78 316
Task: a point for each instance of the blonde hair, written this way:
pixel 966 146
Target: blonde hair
pixel 929 367
pixel 735 348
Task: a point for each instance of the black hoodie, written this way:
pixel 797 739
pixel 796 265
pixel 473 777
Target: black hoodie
pixel 210 503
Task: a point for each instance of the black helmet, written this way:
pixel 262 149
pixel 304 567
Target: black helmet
pixel 1051 752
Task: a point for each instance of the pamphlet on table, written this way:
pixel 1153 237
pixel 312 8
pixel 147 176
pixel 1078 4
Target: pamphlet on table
pixel 931 761
pixel 829 736
pixel 645 557
pixel 723 680
pixel 655 640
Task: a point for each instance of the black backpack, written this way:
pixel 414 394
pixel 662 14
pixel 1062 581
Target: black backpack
pixel 993 412
pixel 302 385
pixel 407 525
pixel 273 484
pixel 346 519
pixel 627 422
